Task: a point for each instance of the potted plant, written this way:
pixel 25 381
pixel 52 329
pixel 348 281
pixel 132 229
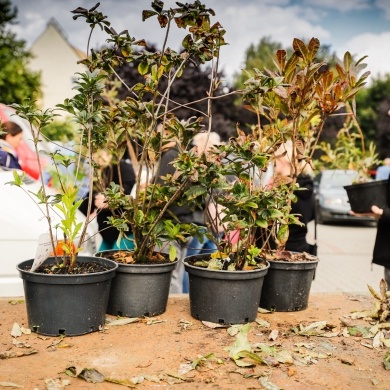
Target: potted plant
pixel 292 105
pixel 296 100
pixel 65 292
pixel 167 169
pixel 350 153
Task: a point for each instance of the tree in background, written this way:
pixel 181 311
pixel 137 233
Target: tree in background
pixel 373 104
pixel 191 86
pixel 17 82
pixel 258 56
pixel 59 130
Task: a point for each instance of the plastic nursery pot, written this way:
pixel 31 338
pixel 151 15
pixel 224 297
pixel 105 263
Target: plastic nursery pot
pixel 69 305
pixel 139 289
pixel 223 297
pixel 287 285
pixel 362 196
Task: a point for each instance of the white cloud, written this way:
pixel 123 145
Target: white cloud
pixel 375 46
pixel 340 5
pixel 247 25
pixel 246 22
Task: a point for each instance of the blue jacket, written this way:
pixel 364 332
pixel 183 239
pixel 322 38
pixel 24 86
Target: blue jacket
pixel 8 156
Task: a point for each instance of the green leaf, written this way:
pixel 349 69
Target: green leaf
pixel 386 361
pixel 241 343
pixel 143 68
pixel 172 253
pixel 263 223
pixel 252 205
pixel 195 192
pixel 347 61
pixel 139 217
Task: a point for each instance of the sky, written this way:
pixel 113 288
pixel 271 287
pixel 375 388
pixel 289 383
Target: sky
pixel 361 27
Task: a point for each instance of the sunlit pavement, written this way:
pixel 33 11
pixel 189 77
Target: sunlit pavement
pixel 345 253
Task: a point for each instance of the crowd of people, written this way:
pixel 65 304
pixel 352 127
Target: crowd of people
pixel 304 207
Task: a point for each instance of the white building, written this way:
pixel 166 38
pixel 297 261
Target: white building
pixel 56 59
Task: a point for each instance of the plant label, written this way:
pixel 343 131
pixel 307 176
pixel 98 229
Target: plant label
pixel 44 250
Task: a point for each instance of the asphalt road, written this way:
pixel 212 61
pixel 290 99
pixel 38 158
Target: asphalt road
pixel 345 252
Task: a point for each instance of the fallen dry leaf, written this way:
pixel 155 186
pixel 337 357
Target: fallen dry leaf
pixel 20 344
pixel 10 384
pixel 16 301
pixel 264 311
pixel 16 332
pixel 126 382
pixel 25 330
pixel 213 325
pixel 56 384
pixel 268 385
pixel 184 368
pixel 233 330
pixel 347 360
pixel 273 335
pixel 184 324
pixel 262 323
pixel 154 321
pixel 55 343
pixel 91 375
pixel 13 354
pixel 122 321
pixel 291 371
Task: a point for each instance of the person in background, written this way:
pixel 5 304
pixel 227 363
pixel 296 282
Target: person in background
pixel 304 206
pixel 109 173
pixel 381 252
pixel 183 213
pixel 383 172
pixel 9 140
pixel 203 143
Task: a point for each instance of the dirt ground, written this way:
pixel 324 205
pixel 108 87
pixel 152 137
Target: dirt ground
pixel 161 352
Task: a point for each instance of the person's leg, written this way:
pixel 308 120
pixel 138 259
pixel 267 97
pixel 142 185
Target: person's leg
pixel 193 248
pixel 208 246
pixel 196 248
pixel 178 272
pixel 387 277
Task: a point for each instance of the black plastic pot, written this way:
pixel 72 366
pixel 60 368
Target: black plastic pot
pixel 287 285
pixel 139 289
pixel 223 297
pixel 69 305
pixel 363 195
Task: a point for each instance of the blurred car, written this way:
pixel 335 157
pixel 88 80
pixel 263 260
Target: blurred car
pixel 26 150
pixel 331 200
pixel 21 224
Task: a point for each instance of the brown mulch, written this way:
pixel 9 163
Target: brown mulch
pixel 157 352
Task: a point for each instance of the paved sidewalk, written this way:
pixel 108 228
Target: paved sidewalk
pixel 345 254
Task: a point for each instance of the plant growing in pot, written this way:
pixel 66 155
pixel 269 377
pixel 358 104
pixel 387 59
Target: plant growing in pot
pixel 350 152
pixel 292 104
pixel 158 214
pixel 225 287
pixel 66 293
pixel 304 92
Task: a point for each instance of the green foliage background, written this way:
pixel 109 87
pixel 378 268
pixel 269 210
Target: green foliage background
pixel 17 82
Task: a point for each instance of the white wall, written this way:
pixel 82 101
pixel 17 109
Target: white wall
pixel 57 60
